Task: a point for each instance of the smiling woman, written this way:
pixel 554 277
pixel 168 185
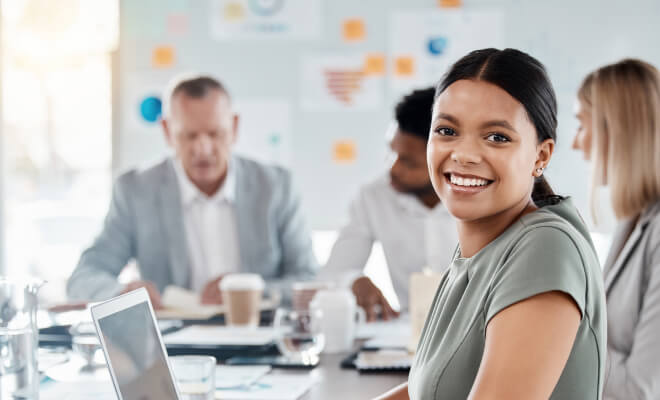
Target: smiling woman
pixel 520 314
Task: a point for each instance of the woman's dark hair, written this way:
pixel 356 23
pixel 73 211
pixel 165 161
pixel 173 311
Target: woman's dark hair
pixel 524 78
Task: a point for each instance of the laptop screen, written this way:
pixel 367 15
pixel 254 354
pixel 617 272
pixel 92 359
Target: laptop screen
pixel 135 354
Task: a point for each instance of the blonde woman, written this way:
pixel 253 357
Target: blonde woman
pixel 619 112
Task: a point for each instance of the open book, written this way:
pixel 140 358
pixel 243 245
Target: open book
pixel 181 303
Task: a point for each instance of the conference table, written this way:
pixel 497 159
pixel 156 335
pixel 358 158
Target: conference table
pixel 333 382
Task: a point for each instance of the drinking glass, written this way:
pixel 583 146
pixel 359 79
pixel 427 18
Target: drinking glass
pixel 298 334
pixel 195 376
pixel 19 338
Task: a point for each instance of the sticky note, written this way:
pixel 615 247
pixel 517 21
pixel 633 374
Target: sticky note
pixel 234 11
pixel 354 30
pixel 404 66
pixel 449 3
pixel 177 24
pixel 344 151
pixel 374 64
pixel 163 57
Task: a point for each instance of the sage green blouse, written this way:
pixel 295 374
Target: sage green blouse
pixel 546 250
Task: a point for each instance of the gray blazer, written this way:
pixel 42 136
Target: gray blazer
pixel 632 285
pixel 145 223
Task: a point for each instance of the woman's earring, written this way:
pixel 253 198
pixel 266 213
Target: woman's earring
pixel 539 171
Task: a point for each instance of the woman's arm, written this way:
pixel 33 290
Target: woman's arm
pixel 398 393
pixel 527 346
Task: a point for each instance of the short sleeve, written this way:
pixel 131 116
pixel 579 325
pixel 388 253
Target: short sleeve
pixel 545 259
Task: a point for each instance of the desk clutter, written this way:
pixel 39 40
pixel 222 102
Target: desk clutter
pixel 273 359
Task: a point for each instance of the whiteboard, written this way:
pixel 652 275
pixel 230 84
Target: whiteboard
pixel 570 37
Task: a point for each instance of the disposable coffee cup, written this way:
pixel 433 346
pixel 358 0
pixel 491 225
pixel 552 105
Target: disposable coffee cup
pixel 241 295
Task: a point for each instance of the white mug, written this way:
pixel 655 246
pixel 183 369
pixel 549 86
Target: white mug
pixel 341 317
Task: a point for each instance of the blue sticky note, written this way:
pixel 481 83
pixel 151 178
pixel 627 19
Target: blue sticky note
pixel 151 108
pixel 437 45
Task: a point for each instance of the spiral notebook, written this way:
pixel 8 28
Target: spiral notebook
pixel 384 360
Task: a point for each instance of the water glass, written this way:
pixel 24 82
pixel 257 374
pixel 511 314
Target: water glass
pixel 19 371
pixel 195 376
pixel 299 334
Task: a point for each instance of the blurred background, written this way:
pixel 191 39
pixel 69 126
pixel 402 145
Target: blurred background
pixel 314 81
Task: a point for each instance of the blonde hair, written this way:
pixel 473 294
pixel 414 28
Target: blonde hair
pixel 624 101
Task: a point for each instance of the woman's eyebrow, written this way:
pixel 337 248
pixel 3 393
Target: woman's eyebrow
pixel 447 117
pixel 498 123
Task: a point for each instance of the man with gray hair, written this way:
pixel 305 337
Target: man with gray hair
pixel 195 217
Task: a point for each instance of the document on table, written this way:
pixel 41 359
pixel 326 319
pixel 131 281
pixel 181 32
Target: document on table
pixel 238 376
pixel 208 335
pixel 52 390
pixel 271 387
pixel 392 334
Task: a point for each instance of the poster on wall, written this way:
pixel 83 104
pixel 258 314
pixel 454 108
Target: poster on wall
pixel 140 133
pixel 423 44
pixel 265 19
pixel 264 130
pixel 341 82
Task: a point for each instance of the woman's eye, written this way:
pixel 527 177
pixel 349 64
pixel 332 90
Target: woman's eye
pixel 443 131
pixel 498 138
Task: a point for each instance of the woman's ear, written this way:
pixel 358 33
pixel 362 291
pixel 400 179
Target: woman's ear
pixel 544 152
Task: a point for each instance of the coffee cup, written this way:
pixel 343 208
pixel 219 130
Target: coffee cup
pixel 241 296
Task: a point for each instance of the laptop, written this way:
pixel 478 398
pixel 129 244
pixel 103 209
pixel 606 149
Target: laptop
pixel 133 347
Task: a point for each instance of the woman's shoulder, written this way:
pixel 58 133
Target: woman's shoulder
pixel 560 223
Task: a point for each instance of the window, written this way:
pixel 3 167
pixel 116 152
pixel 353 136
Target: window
pixel 56 132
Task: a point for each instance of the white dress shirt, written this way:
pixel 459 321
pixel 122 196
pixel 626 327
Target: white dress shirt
pixel 210 224
pixel 413 236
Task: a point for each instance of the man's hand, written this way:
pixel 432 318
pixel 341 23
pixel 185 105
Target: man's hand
pixel 154 294
pixel 369 297
pixel 211 293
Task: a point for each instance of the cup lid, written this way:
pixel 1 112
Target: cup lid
pixel 242 282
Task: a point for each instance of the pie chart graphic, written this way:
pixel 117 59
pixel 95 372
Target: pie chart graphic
pixel 151 108
pixel 437 45
pixel 266 8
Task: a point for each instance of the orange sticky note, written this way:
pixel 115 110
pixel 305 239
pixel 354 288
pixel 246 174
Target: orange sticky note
pixel 404 66
pixel 354 30
pixel 374 64
pixel 344 151
pixel 162 57
pixel 449 3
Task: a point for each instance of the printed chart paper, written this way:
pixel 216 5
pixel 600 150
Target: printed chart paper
pixel 423 44
pixel 341 82
pixel 265 19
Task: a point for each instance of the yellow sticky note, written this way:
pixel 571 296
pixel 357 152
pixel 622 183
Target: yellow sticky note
pixel 374 64
pixel 344 151
pixel 354 30
pixel 404 66
pixel 449 3
pixel 163 57
pixel 233 11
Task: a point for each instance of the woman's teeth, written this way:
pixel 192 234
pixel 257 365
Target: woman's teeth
pixel 458 181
